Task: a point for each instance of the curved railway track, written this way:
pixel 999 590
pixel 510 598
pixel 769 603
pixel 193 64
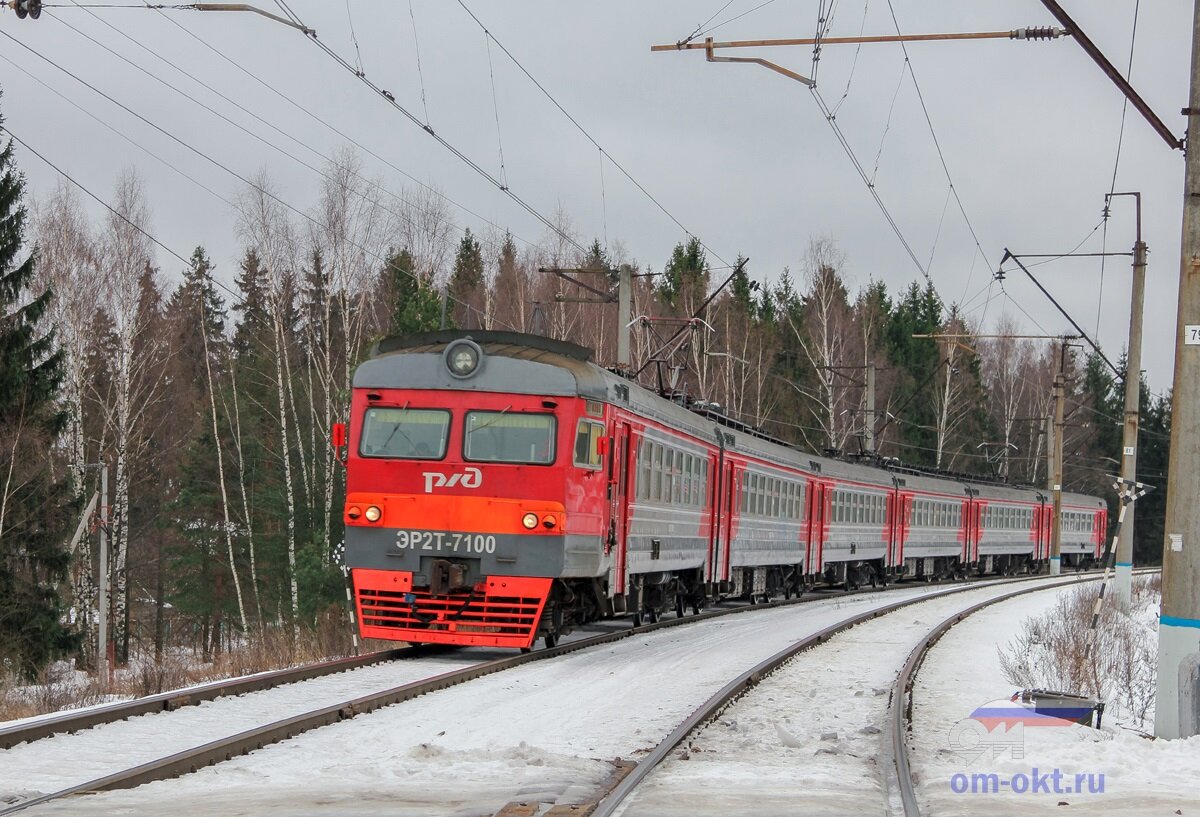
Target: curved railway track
pixel 248 740
pixel 899 776
pixel 615 797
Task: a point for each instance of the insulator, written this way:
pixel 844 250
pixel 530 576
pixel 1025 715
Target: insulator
pixel 1037 33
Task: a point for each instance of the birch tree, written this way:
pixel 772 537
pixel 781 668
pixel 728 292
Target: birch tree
pixel 823 329
pixel 125 254
pixel 67 264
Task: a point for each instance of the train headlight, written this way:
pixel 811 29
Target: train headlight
pixel 529 520
pixel 373 514
pixel 463 358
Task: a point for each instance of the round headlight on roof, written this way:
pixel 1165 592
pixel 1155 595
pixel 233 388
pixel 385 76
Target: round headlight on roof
pixel 463 358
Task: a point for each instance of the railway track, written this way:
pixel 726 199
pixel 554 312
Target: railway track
pixel 899 772
pixel 44 727
pixel 270 731
pixel 618 795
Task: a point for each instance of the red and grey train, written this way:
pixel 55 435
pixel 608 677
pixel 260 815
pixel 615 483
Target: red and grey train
pixel 502 487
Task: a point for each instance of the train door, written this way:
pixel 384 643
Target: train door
pixel 727 530
pixel 1044 531
pixel 895 528
pixel 903 525
pixel 1035 532
pixel 716 465
pixel 966 533
pixel 621 472
pixel 977 531
pixel 817 507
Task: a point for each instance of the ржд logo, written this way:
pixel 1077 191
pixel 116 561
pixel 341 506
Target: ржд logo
pixel 470 478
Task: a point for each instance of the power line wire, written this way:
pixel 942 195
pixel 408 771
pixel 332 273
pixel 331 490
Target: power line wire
pixel 1116 162
pixel 487 43
pixel 97 199
pixel 862 173
pixel 854 64
pixel 417 51
pixel 170 165
pixel 587 135
pixel 327 125
pixel 937 144
pixel 250 184
pixel 700 27
pixel 724 23
pixel 400 215
pixel 423 125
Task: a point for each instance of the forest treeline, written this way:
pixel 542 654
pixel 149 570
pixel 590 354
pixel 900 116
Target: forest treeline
pixel 210 393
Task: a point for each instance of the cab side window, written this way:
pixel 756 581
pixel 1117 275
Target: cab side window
pixel 587 444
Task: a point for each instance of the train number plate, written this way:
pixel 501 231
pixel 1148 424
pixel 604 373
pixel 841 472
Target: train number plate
pixel 438 541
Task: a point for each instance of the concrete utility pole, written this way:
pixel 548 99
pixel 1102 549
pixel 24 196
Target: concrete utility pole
pixel 1056 472
pixel 623 298
pixel 624 316
pixel 1177 701
pixel 1133 382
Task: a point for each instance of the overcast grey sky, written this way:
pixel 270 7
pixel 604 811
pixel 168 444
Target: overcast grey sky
pixel 741 156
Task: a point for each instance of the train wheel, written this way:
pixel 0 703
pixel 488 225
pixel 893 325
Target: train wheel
pixel 637 619
pixel 696 608
pixel 678 606
pixel 652 616
pixel 551 640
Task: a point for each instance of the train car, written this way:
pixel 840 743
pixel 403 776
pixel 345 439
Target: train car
pixel 502 487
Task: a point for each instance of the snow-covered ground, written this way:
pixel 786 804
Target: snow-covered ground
pixel 808 739
pixel 545 731
pixel 65 760
pixel 962 672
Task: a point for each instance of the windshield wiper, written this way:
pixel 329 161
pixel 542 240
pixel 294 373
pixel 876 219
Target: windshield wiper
pixel 491 422
pixel 396 428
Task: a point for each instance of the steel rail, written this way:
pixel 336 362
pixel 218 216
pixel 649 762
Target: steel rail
pixel 169 701
pixel 899 771
pixel 217 751
pixel 611 802
pixel 176 699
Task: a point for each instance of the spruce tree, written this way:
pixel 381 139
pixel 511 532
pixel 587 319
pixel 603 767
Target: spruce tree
pixel 686 272
pixel 36 509
pixel 466 282
pixel 413 304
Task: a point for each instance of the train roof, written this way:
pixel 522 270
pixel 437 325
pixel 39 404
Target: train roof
pixel 532 364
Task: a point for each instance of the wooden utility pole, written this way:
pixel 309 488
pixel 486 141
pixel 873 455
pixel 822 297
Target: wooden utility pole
pixel 1133 389
pixel 1177 700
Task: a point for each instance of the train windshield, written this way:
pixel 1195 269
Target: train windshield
pixel 404 433
pixel 498 436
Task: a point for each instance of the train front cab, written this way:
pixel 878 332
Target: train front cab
pixel 465 510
